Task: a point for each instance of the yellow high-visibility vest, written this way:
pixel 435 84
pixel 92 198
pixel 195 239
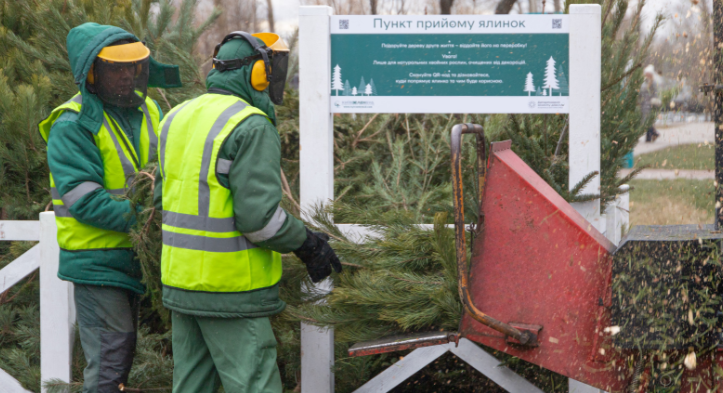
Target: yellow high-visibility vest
pixel 202 249
pixel 120 163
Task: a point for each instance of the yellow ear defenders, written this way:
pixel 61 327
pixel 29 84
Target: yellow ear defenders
pixel 127 53
pixel 261 70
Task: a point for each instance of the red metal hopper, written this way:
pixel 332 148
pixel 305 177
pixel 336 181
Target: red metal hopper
pixel 543 269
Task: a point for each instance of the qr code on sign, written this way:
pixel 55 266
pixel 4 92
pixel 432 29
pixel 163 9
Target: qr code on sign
pixel 343 24
pixel 557 23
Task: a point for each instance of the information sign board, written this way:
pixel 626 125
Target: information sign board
pixel 449 64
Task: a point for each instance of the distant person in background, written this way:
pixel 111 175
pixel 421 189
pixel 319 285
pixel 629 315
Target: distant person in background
pixel 649 99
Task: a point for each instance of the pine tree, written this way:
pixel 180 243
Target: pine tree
pixel 368 90
pixel 336 83
pixel 529 84
pixel 347 88
pixel 374 87
pixel 354 91
pixel 550 81
pixel 362 86
pixel 564 86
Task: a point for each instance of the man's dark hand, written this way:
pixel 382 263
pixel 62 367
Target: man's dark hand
pixel 318 256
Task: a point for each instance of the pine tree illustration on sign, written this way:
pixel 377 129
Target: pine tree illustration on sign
pixel 347 88
pixel 529 84
pixel 336 83
pixel 353 91
pixel 362 86
pixel 368 90
pixel 374 88
pixel 564 86
pixel 550 77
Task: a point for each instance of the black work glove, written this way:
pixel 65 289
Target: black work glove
pixel 318 256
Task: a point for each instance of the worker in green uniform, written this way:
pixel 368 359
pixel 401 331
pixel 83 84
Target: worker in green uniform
pixel 96 141
pixel 219 187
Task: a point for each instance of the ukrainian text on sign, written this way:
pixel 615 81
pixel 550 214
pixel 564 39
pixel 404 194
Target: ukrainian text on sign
pixel 480 64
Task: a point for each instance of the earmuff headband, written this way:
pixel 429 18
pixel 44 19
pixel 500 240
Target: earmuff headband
pixel 237 63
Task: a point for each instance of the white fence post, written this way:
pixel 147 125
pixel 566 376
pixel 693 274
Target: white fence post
pixel 624 209
pixel 585 67
pixel 316 162
pixel 584 149
pixel 618 215
pixel 57 308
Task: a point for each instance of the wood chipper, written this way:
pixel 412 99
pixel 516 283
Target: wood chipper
pixel 545 286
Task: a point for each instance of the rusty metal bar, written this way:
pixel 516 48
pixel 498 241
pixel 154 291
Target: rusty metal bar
pixel 523 337
pixel 402 342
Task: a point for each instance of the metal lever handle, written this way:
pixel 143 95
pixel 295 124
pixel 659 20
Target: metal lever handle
pixel 524 337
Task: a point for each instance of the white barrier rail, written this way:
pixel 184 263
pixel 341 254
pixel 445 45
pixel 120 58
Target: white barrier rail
pixel 57 308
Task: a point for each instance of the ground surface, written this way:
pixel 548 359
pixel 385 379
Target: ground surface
pixel 677 187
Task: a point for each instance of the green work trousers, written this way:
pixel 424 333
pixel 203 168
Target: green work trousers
pixel 108 323
pixel 239 353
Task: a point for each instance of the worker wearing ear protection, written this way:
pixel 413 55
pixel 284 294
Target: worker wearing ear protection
pixel 96 141
pixel 219 187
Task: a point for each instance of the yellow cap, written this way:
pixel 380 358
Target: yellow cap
pixel 272 41
pixel 126 53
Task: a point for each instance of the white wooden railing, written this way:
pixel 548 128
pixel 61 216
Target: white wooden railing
pixel 57 308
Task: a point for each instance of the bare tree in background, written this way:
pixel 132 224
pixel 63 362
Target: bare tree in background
pixel 445 6
pixel 504 6
pixel 237 15
pixel 270 15
pixel 373 6
pixel 685 57
pixel 254 11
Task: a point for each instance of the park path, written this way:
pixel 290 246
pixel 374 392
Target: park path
pixel 682 134
pixel 677 135
pixel 665 174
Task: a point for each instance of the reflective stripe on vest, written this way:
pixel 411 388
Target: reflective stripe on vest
pixel 119 165
pixel 202 249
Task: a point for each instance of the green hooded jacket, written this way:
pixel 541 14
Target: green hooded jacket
pixel 254 147
pixel 74 158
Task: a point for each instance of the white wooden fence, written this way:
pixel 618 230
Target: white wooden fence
pixel 57 308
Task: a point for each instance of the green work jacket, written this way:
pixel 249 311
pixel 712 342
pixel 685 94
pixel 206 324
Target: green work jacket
pixel 209 268
pixel 93 252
